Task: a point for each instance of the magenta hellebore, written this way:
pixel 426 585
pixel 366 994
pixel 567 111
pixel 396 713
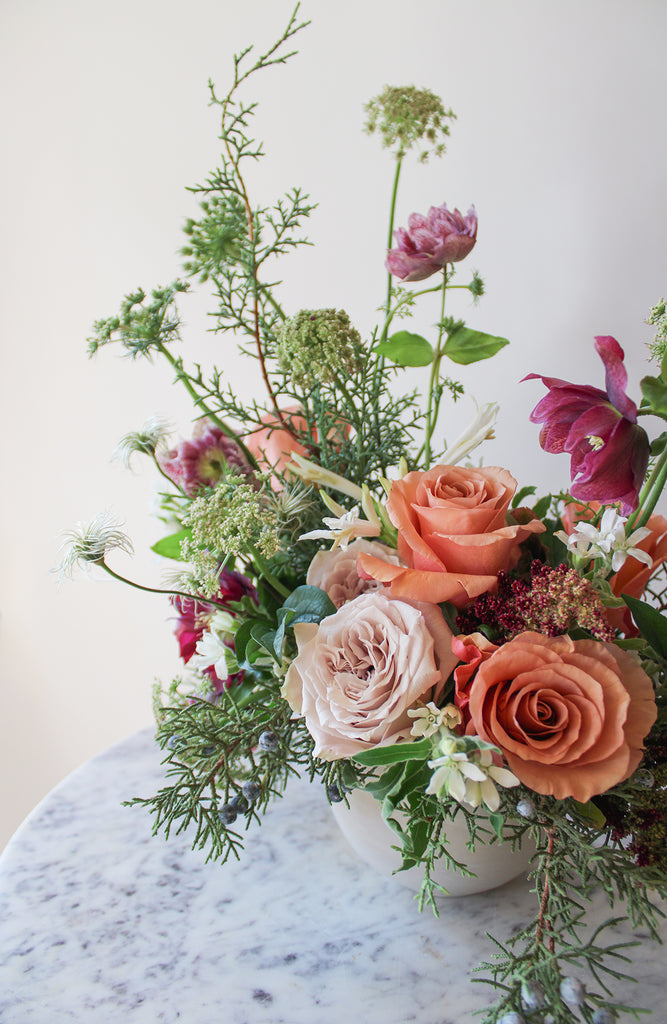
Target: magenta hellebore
pixel 598 429
pixel 430 242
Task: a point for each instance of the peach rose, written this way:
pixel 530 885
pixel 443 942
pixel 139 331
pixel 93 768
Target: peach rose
pixel 570 716
pixel 455 534
pixel 472 650
pixel 359 671
pixel 273 446
pixel 335 571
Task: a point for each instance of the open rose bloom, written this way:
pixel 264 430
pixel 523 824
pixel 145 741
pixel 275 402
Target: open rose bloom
pixel 360 671
pixel 455 534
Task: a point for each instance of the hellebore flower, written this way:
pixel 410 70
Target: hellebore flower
pixel 430 242
pixel 598 429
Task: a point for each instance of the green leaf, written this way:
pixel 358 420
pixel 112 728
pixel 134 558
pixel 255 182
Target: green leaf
pixel 525 492
pixel 663 367
pixel 305 604
pixel 654 392
pixel 650 623
pixel 170 547
pixel 385 783
pixel 590 813
pixel 406 349
pixel 658 444
pixel 394 753
pixel 309 604
pixel 466 346
pixel 541 506
pixel 497 822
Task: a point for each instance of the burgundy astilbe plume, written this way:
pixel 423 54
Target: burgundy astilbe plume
pixel 554 601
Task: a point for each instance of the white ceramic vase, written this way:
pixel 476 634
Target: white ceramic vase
pixel 370 836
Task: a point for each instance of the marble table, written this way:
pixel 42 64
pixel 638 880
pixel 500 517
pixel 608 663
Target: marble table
pixel 100 922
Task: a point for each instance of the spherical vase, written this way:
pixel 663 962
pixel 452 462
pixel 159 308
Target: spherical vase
pixel 372 839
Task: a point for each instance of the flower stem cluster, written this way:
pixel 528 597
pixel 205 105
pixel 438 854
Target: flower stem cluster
pixel 405 116
pixel 317 344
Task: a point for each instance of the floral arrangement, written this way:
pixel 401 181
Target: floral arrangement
pixel 357 601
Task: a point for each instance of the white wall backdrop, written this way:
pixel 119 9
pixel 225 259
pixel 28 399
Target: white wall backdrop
pixel 560 143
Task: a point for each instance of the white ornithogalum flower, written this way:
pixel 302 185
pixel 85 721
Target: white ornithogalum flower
pixel 481 429
pixel 213 648
pixel 429 719
pixel 89 543
pixel 467 776
pixel 343 528
pixel 146 441
pixel 311 473
pixel 607 541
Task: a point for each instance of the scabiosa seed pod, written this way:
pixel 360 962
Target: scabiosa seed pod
pixel 317 344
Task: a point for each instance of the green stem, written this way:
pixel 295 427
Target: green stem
pixel 158 590
pixel 197 399
pixel 658 481
pixel 266 572
pixel 392 213
pixel 433 405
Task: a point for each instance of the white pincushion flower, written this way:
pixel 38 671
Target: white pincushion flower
pixel 467 776
pixel 481 429
pixel 607 541
pixel 429 719
pixel 89 542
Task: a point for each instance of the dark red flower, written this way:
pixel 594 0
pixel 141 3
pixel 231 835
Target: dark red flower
pixel 194 615
pixel 598 429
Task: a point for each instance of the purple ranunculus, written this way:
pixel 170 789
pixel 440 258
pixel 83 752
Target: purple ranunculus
pixel 598 429
pixel 430 242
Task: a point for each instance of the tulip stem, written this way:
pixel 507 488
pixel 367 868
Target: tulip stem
pixel 433 406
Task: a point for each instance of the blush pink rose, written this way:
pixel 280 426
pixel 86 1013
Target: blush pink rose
pixel 455 534
pixel 359 671
pixel 570 716
pixel 336 573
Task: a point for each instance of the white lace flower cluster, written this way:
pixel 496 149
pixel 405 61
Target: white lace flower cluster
pixel 607 541
pixel 464 766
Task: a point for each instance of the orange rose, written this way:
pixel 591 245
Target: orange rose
pixel 455 534
pixel 570 716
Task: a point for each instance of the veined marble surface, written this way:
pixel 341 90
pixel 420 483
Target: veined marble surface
pixel 100 922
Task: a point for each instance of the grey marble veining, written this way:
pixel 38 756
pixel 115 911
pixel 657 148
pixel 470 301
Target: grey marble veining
pixel 99 921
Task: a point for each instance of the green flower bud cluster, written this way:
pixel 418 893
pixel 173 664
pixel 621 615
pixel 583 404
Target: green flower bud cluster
pixel 235 519
pixel 318 344
pixel 658 318
pixel 405 116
